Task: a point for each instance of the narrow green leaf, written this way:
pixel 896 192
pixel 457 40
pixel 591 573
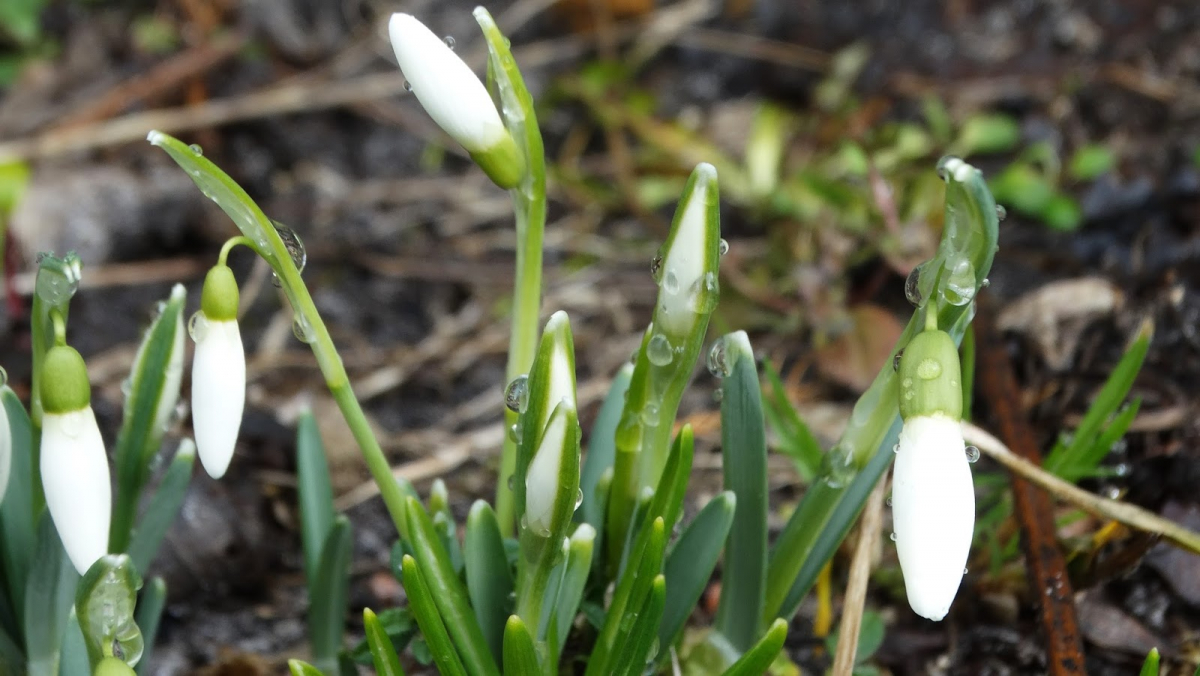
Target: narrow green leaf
pixel 17 522
pixel 149 615
pixel 153 392
pixel 74 650
pixel 104 604
pixel 744 462
pixel 988 133
pixel 520 654
pixel 383 653
pixel 574 580
pixel 164 506
pixel 690 565
pixel 12 659
pixel 425 610
pixel 489 578
pixel 328 605
pixel 797 440
pixel 315 493
pixel 49 594
pixel 967 362
pixel 631 592
pixel 299 668
pixel 1150 666
pixel 637 641
pixel 1090 161
pixel 449 593
pixel 759 658
pixel 602 449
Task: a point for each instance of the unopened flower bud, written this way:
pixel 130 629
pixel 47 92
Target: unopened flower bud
pixel 218 372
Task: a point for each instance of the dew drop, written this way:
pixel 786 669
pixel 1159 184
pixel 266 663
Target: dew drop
pixel 928 369
pixel 449 40
pixel 650 414
pixel 1001 212
pixel 407 86
pixel 196 149
pixel 972 454
pixel 198 326
pixel 912 286
pixel 964 570
pixel 295 247
pixel 718 395
pixel 656 264
pixel 578 498
pixel 127 386
pixel 888 501
pixel 73 423
pixel 671 283
pixel 960 283
pixel 893 536
pixel 704 294
pixel 516 395
pixel 514 434
pixel 895 448
pixel 723 247
pixel 301 329
pixel 907 382
pixel 718 359
pixel 658 350
pixel 512 481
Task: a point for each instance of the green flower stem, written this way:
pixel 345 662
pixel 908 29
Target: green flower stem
pixel 228 246
pixel 533 585
pixel 963 260
pixel 529 208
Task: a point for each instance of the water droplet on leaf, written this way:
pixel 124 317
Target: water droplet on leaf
pixel 912 286
pixel 1001 212
pixel 301 329
pixel 723 247
pixel 718 359
pixel 658 350
pixel 295 247
pixel 196 149
pixel 516 395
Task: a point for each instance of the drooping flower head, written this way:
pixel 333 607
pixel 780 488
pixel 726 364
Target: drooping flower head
pixel 933 498
pixel 74 464
pixel 218 372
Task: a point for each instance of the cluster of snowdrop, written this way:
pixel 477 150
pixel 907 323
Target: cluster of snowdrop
pixel 74 463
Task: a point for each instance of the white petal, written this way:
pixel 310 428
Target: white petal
pixel 218 394
pixel 562 372
pixel 686 261
pixel 76 481
pixel 5 450
pixel 541 479
pixel 933 505
pixel 450 92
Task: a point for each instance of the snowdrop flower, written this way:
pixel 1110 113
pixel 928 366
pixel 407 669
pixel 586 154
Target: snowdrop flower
pixel 74 464
pixel 455 98
pixel 687 270
pixel 933 499
pixel 552 480
pixel 218 371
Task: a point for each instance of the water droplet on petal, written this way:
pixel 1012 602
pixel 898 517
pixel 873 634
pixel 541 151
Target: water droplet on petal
pixel 449 40
pixel 718 359
pixel 650 414
pixel 198 326
pixel 407 86
pixel 658 350
pixel 671 283
pixel 1001 212
pixel 928 369
pixel 912 286
pixel 516 395
pixel 972 454
pixel 893 537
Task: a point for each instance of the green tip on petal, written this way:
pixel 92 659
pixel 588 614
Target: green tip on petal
pixel 219 300
pixel 112 666
pixel 65 385
pixel 503 163
pixel 930 377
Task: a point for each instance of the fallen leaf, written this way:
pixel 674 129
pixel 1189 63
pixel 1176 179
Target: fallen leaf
pixel 854 357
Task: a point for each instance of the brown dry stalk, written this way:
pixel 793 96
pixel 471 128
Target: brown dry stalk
pixel 856 586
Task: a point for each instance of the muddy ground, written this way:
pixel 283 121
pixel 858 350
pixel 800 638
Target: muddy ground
pixel 410 253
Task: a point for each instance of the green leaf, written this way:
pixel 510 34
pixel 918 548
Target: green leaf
pixel 14 179
pixel 796 440
pixel 299 668
pixel 690 565
pixel 104 603
pixel 1090 161
pixel 425 610
pixel 448 592
pixel 574 580
pixel 520 655
pixel 149 615
pixel 744 463
pixel 637 642
pixel 988 134
pixel 1150 666
pixel 1023 188
pixel 383 653
pixel 328 605
pixel 632 590
pixel 315 494
pixel 164 506
pixel 489 579
pixel 74 650
pixel 871 634
pixel 760 657
pixel 399 626
pixel 49 593
pixel 17 522
pixel 967 361
pixel 1089 445
pixel 602 449
pixel 12 660
pixel 153 392
pixel 1062 212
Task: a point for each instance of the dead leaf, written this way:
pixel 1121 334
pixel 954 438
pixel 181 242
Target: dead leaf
pixel 1055 315
pixel 855 357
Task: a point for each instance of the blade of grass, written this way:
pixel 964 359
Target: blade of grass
pixel 330 592
pixel 17 516
pixel 383 653
pixel 631 593
pixel 520 655
pixel 797 440
pixel 574 580
pixel 760 657
pixel 744 463
pixel 489 578
pixel 449 593
pixel 690 565
pixel 433 629
pixel 299 668
pixel 1150 666
pixel 315 495
pixel 164 506
pixel 643 631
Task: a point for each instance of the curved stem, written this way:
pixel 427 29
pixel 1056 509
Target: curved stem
pixel 232 242
pixel 60 328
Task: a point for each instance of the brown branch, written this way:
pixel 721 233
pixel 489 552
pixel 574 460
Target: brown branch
pixel 1044 560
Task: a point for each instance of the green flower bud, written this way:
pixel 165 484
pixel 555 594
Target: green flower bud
pixel 931 377
pixel 112 666
pixel 65 385
pixel 219 300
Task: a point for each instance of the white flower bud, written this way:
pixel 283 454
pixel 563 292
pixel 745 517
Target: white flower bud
pixel 5 448
pixel 75 478
pixel 562 365
pixel 543 480
pixel 689 266
pixel 218 391
pixel 933 511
